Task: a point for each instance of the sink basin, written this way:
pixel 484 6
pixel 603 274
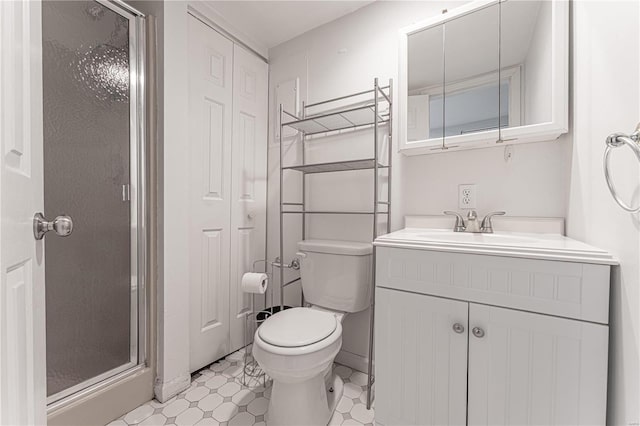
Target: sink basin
pixel 548 246
pixel 471 238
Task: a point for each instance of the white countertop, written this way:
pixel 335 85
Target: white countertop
pixel 510 244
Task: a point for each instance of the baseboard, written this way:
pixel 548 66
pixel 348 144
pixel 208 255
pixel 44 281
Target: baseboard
pixel 164 391
pixel 354 361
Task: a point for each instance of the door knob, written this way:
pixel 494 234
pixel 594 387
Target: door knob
pixel 458 328
pixel 61 225
pixel 478 332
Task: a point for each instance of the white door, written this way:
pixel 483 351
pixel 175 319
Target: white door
pixel 22 297
pixel 532 369
pixel 418 118
pixel 209 145
pixel 248 182
pixel 421 360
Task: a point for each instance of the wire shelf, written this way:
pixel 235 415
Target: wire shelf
pixel 330 212
pixel 349 112
pixel 351 118
pixel 337 166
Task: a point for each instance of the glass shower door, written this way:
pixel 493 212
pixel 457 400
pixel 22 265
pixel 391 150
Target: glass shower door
pixel 91 152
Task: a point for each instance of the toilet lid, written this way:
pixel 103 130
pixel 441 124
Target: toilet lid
pixel 297 327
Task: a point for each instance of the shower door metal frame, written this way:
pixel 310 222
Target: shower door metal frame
pixel 138 215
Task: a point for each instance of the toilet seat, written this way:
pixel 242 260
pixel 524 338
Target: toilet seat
pixel 297 327
pixel 319 346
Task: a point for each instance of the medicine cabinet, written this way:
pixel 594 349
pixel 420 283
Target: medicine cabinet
pixel 484 74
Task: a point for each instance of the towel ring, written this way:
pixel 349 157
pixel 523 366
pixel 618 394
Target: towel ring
pixel 616 140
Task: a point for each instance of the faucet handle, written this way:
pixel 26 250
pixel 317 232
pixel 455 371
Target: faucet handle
pixel 459 226
pixel 486 226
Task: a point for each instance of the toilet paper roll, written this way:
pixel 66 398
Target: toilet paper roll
pixel 254 282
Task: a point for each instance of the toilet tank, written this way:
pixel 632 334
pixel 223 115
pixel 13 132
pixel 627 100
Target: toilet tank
pixel 336 274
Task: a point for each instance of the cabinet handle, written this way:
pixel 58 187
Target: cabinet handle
pixel 458 328
pixel 478 332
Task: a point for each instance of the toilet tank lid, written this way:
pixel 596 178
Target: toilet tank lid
pixel 353 248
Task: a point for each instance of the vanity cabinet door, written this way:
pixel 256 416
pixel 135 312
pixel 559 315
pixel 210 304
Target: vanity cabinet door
pixel 421 361
pixel 532 369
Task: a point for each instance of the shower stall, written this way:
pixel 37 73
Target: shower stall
pixel 94 176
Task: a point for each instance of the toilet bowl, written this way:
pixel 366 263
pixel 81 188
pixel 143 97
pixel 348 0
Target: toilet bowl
pixel 296 347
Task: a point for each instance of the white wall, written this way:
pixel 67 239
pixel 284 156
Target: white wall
pixel 344 56
pixel 172 364
pixel 173 291
pixel 605 100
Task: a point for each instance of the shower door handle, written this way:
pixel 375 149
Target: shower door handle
pixel 61 225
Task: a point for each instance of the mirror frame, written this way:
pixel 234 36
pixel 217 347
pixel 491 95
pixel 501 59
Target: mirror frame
pixel 539 132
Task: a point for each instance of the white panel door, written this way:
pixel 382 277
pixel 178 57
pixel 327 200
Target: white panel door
pixel 209 145
pixel 418 118
pixel 22 293
pixel 532 369
pixel 248 180
pixel 421 362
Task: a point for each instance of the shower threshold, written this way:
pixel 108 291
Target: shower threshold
pixel 74 393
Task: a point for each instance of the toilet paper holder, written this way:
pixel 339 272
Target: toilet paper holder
pixel 252 374
pixel 294 264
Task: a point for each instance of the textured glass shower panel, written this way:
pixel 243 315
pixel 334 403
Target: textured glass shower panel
pixel 86 163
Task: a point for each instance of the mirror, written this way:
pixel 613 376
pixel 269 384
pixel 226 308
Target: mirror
pixel 425 100
pixel 525 70
pixel 471 55
pixel 453 77
pixel 485 73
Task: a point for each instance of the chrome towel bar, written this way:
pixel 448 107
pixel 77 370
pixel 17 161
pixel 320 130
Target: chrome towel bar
pixel 616 140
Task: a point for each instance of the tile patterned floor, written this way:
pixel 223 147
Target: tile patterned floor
pixel 216 397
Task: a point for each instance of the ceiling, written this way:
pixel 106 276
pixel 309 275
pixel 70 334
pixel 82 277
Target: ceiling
pixel 273 22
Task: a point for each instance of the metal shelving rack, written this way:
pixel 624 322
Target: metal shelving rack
pixel 361 115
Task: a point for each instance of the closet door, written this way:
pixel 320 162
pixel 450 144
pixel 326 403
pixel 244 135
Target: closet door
pixel 420 359
pixel 532 369
pixel 209 145
pixel 248 181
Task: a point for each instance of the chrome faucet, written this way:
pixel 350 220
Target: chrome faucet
pixel 471 224
pixel 459 226
pixel 486 226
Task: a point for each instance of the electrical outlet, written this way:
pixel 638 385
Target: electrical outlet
pixel 467 196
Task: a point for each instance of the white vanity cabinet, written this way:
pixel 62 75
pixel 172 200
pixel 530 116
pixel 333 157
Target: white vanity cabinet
pixel 472 339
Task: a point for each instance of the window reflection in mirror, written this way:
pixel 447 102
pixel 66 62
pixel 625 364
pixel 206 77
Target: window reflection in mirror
pixel 473 108
pixel 525 47
pixel 425 106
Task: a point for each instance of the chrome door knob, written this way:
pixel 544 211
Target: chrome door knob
pixel 458 328
pixel 478 332
pixel 61 225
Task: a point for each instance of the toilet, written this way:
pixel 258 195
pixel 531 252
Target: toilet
pixel 296 347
